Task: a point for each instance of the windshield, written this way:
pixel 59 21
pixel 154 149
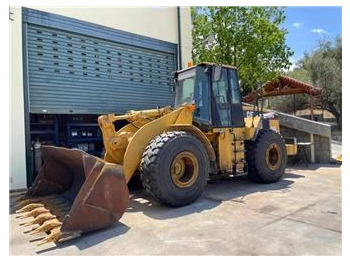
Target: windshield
pixel 185 87
pixel 192 87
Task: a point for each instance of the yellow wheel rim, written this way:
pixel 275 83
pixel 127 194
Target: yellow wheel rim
pixel 184 169
pixel 273 156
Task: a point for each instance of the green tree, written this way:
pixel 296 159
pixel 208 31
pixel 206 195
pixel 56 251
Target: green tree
pixel 325 69
pixel 321 68
pixel 301 74
pixel 249 38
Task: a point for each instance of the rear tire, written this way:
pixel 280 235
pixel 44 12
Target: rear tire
pixel 174 168
pixel 266 157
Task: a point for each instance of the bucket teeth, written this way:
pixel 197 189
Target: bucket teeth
pixel 40 219
pixel 22 203
pixel 29 207
pixel 35 212
pixel 55 235
pixel 74 188
pixel 47 226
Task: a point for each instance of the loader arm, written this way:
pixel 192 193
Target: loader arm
pixel 126 146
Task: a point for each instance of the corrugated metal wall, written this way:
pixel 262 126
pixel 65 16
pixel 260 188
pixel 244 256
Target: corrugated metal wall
pixel 102 72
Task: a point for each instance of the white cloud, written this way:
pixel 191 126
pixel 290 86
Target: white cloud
pixel 318 31
pixel 294 65
pixel 297 24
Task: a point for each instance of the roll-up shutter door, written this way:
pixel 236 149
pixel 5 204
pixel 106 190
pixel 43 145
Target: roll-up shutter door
pixel 70 72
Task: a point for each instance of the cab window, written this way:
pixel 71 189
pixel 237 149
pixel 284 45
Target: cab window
pixel 185 88
pixel 201 95
pixel 221 105
pixel 236 94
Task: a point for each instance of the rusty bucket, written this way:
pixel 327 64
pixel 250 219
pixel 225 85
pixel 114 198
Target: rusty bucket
pixel 73 193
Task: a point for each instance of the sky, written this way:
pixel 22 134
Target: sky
pixel 308 25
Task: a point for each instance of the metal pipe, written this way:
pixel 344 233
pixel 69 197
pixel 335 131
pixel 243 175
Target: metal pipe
pixel 179 46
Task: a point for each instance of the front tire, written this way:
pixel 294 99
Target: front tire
pixel 266 157
pixel 174 168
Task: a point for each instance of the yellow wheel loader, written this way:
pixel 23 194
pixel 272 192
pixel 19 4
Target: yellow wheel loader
pixel 175 150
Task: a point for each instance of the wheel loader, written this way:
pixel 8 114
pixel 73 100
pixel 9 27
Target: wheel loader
pixel 174 149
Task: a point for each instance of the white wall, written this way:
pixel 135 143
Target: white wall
pixel 186 35
pixel 155 22
pixel 17 140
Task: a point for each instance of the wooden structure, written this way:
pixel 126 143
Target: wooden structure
pixel 285 85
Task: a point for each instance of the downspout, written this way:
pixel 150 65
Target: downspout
pixel 179 46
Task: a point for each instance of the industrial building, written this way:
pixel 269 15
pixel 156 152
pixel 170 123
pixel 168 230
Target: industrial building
pixel 69 65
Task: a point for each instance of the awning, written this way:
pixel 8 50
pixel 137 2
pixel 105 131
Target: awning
pixel 284 85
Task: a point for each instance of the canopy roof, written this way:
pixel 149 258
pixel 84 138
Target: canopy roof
pixel 284 85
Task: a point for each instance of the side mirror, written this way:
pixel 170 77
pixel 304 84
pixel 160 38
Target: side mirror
pixel 217 73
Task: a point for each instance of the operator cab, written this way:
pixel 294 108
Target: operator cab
pixel 214 90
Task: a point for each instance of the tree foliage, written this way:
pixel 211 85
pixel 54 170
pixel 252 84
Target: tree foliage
pixel 325 68
pixel 321 68
pixel 249 38
pixel 301 74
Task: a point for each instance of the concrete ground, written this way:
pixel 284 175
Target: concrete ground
pixel 299 215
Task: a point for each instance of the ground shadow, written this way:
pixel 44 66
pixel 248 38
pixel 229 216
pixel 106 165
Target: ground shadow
pixel 13 201
pixel 312 166
pixel 90 239
pixel 217 191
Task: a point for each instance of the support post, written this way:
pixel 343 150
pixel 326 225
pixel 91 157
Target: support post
pixel 312 107
pixel 294 104
pixel 312 148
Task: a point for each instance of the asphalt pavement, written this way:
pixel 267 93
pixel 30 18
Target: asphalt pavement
pixel 299 215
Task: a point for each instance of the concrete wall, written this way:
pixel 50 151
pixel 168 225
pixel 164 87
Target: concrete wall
pixel 156 22
pixel 302 129
pixel 322 145
pixel 17 140
pixel 323 149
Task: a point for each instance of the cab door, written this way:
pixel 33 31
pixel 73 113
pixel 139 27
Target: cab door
pixel 221 104
pixel 237 116
pixel 226 100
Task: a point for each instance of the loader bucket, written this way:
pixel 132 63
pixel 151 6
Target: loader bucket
pixel 79 193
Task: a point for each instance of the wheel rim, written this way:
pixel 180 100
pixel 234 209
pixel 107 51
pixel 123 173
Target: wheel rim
pixel 184 169
pixel 273 156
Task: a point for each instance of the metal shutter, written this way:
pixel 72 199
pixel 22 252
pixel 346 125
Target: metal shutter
pixel 70 72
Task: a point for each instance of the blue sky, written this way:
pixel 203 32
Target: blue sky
pixel 308 25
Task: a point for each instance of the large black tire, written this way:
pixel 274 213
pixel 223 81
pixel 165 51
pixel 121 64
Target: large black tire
pixel 266 157
pixel 174 168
